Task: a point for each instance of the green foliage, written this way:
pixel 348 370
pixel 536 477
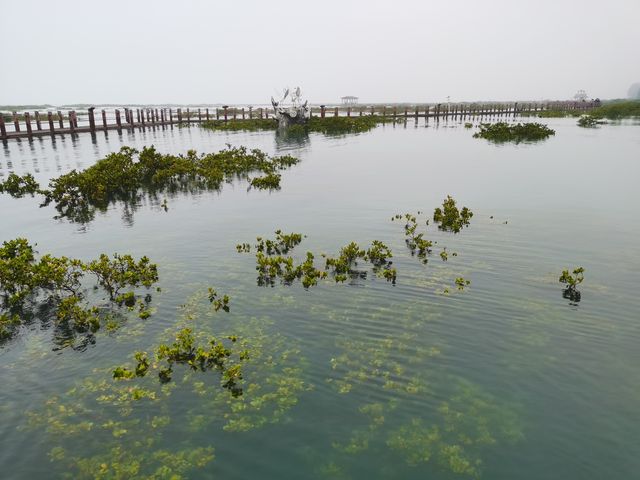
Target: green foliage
pixel 329 125
pixel 250 125
pixel 280 245
pixel 123 271
pixel 19 186
pixel 185 350
pixel 127 174
pixel 461 283
pixel 617 110
pixel 271 181
pixel 468 125
pixel 450 218
pixel 505 132
pixel 572 280
pixel 26 281
pixel 589 121
pixel 218 303
pixel 344 125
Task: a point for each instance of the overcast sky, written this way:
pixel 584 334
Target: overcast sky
pixel 244 51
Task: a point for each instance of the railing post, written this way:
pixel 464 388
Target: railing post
pixel 235 111
pixel 179 115
pixel 199 116
pixel 243 113
pixel 118 120
pixel 60 119
pixel 171 117
pixel 16 122
pixel 260 113
pixel 226 112
pixel 3 128
pixel 75 119
pixel 104 118
pixel 50 118
pixel 71 124
pixel 92 120
pixel 322 111
pixel 250 113
pixel 207 114
pixel 38 124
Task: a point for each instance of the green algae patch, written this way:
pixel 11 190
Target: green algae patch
pixel 502 132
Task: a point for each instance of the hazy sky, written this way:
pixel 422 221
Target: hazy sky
pixel 244 51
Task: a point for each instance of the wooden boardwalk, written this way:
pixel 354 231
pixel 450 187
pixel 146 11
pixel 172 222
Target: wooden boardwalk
pixel 36 124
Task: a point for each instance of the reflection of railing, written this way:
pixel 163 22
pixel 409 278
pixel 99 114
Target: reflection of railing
pixel 27 125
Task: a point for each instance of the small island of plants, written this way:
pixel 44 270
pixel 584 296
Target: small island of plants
pixel 501 132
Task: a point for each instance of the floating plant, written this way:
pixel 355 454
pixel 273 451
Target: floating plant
pixel 572 280
pixel 56 282
pixel 127 174
pixel 589 121
pixel 449 218
pixel 19 186
pixel 272 265
pixel 505 132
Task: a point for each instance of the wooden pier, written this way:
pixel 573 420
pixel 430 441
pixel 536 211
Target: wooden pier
pixel 37 124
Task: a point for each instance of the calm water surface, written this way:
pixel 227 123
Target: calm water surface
pixel 363 380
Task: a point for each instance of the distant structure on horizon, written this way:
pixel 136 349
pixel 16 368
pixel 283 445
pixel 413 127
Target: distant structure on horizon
pixel 634 91
pixel 349 100
pixel 581 96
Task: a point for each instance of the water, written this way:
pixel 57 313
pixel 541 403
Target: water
pixel 504 380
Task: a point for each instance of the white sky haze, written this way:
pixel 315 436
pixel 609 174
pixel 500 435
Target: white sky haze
pixel 191 51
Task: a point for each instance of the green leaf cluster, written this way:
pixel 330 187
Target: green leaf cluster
pixel 26 281
pixel 449 218
pixel 504 132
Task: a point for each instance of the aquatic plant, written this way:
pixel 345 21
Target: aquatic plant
pixel 19 186
pixel 505 132
pixel 26 282
pixel 329 125
pixel 127 427
pixel 272 265
pixel 416 242
pixel 127 174
pixel 249 125
pixel 271 181
pixel 450 218
pixel 572 280
pixel 468 125
pixel 123 271
pixel 218 303
pixel 617 110
pixel 461 283
pixel 589 121
pixel 184 350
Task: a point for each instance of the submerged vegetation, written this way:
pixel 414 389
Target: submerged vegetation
pixel 128 174
pixel 56 284
pixel 127 427
pixel 519 132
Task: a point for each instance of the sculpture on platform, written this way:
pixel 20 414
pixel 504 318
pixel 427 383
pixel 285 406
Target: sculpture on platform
pixel 294 112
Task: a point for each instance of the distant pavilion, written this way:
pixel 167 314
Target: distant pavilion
pixel 349 100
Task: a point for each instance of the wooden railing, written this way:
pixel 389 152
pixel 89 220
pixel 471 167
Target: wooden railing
pixel 28 124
